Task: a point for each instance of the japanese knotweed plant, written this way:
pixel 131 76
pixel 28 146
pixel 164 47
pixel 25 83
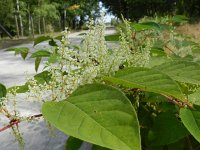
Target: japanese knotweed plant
pixel 130 97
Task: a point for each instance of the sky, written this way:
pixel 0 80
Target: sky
pixel 108 16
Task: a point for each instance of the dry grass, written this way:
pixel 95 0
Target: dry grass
pixel 192 30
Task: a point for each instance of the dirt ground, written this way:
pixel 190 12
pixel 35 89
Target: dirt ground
pixel 192 30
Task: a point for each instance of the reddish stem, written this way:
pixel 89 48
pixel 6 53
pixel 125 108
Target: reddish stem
pixel 17 121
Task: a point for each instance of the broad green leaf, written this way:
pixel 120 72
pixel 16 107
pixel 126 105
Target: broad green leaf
pixel 191 120
pixel 73 143
pixel 194 98
pixel 41 39
pixel 23 51
pixel 157 60
pixel 20 89
pixel 43 77
pixel 145 26
pixel 41 53
pixel 167 129
pixel 3 91
pixel 183 71
pixel 148 80
pixel 98 114
pixel 114 37
pixel 37 63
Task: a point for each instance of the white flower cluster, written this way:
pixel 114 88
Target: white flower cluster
pixel 87 64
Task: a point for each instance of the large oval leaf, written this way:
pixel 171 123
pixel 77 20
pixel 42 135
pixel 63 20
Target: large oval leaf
pixel 183 71
pixel 99 114
pixel 191 120
pixel 147 80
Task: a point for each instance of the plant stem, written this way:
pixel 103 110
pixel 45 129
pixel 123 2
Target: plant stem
pixel 17 121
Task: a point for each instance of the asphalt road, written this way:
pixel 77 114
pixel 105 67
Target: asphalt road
pixel 13 71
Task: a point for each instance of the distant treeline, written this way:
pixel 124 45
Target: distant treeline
pixel 30 17
pixel 136 9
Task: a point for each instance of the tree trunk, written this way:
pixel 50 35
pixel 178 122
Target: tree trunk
pixel 39 22
pixel 20 18
pixel 44 25
pixel 39 27
pixel 17 26
pixel 65 17
pixel 32 25
pixel 29 21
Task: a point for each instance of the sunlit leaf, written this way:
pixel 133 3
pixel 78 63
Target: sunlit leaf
pixel 148 80
pixel 98 114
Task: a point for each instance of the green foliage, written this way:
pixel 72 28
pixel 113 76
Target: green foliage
pixel 114 37
pixel 40 53
pixel 145 26
pixel 113 125
pixel 43 77
pixel 147 80
pixel 37 63
pixel 191 120
pixel 23 51
pixel 20 89
pixel 41 39
pixel 73 143
pixel 3 91
pixel 143 94
pixel 182 71
pixel 167 129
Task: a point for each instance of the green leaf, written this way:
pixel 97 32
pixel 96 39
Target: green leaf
pixel 147 80
pixel 167 129
pixel 3 91
pixel 114 37
pixel 43 77
pixel 52 42
pixel 23 51
pixel 183 71
pixel 145 26
pixel 98 114
pixel 191 120
pixel 37 63
pixel 59 37
pixel 41 53
pixel 73 143
pixel 194 98
pixel 155 52
pixel 41 39
pixel 20 89
pixel 54 58
pixel 180 19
